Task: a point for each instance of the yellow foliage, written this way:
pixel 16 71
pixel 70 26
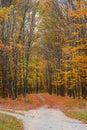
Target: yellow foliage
pixel 1 46
pixel 74 33
pixel 79 25
pixel 20 46
pixel 80 3
pixel 75 14
pixel 81 46
pixel 4 12
pixel 81 10
pixel 18 1
pixel 45 6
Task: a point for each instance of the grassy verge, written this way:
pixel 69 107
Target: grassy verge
pixel 10 123
pixel 11 111
pixel 78 114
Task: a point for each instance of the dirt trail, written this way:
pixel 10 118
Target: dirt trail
pixel 41 98
pixel 45 118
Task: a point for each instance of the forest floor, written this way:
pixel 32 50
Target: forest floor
pixel 75 108
pixel 45 118
pixel 33 101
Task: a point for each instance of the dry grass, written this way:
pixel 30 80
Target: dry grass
pixel 10 123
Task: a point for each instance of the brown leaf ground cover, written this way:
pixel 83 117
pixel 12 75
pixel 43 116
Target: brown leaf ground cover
pixel 33 101
pixel 30 102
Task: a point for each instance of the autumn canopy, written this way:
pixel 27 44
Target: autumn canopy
pixel 43 47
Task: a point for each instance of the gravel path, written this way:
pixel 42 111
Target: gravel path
pixel 47 119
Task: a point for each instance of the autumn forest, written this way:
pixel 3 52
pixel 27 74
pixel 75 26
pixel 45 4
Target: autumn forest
pixel 43 47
